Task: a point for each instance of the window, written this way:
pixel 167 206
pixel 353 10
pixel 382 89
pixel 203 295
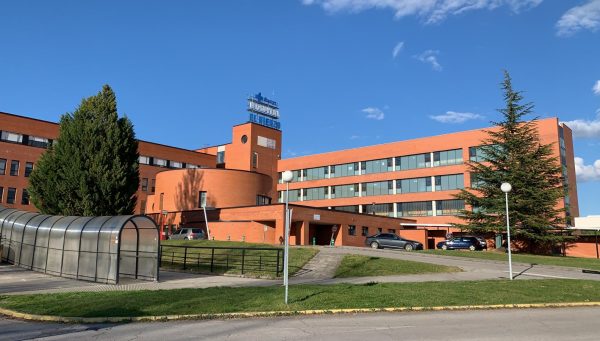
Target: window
pixel 475 181
pixel 143 207
pixel 191 166
pixel 266 142
pixel 449 207
pixel 1 193
pixel 176 164
pixel 392 231
pixel 262 200
pixel 447 158
pixel 365 231
pixel 351 208
pixel 293 193
pixel 344 191
pixel 415 209
pixel 449 182
pixel 385 210
pixel 316 173
pixel 414 185
pixel 244 139
pixel 378 188
pixel 379 230
pixel 317 193
pixel 12 194
pixel 144 184
pixel 25 197
pixel 153 188
pixel 413 161
pixel 254 160
pixel 39 142
pixel 14 168
pixel 28 168
pixel 2 166
pixel 144 160
pixel 160 162
pixel 352 230
pixel 348 169
pixel 201 199
pixel 220 157
pixel 378 166
pixel 11 137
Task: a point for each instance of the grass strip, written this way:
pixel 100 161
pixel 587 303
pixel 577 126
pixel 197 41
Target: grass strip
pixel 259 263
pixel 361 266
pixel 575 262
pixel 303 297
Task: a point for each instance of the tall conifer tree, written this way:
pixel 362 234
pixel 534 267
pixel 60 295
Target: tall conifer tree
pixel 92 168
pixel 513 153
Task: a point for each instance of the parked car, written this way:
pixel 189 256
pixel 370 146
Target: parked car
pixel 464 242
pixel 483 242
pixel 391 240
pixel 188 234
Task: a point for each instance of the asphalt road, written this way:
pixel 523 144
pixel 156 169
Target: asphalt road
pixel 520 324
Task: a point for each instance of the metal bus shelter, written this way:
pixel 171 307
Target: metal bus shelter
pixel 97 249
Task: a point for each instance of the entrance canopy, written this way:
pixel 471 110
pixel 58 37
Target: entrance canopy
pixel 98 249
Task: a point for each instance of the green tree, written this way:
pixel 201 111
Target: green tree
pixel 513 153
pixel 92 168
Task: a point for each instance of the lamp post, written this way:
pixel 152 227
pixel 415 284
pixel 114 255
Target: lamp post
pixel 287 176
pixel 506 187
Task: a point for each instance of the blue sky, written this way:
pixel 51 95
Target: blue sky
pixel 347 73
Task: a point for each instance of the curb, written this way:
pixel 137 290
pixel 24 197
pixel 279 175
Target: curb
pixel 164 318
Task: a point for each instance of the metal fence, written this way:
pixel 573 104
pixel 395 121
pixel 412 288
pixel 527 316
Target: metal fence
pixel 216 259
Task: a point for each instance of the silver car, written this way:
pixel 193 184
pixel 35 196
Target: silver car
pixel 188 234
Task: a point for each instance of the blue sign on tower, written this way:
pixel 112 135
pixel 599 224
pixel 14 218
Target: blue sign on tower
pixel 264 111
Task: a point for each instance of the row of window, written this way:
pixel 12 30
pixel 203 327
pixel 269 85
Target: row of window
pixel 15 166
pixel 416 185
pixel 154 161
pixel 28 140
pixel 408 209
pixel 435 159
pixel 11 195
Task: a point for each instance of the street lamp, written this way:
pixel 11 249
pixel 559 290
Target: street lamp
pixel 287 176
pixel 506 187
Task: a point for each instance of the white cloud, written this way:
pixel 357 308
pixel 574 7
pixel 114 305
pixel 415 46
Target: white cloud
pixel 585 128
pixel 596 88
pixel 431 11
pixel 354 137
pixel 455 117
pixel 584 17
pixel 430 56
pixel 587 172
pixel 398 48
pixel 374 113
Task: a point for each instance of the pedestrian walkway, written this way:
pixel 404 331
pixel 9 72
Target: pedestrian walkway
pixel 320 270
pixel 321 267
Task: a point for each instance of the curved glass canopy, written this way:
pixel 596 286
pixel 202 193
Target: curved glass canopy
pixel 97 249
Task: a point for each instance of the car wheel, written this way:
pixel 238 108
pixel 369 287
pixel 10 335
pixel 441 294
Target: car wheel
pixel 375 245
pixel 409 247
pixel 472 247
pixel 444 247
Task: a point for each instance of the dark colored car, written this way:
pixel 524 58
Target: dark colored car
pixel 391 240
pixel 465 242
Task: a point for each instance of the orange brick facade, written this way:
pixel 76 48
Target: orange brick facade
pixel 238 183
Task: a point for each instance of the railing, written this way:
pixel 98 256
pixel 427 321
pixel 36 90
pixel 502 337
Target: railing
pixel 216 259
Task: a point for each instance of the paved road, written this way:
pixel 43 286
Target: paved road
pixel 320 270
pixel 527 324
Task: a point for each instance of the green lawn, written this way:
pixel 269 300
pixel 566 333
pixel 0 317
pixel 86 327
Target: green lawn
pixel 302 297
pixel 583 263
pixel 360 266
pixel 258 263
